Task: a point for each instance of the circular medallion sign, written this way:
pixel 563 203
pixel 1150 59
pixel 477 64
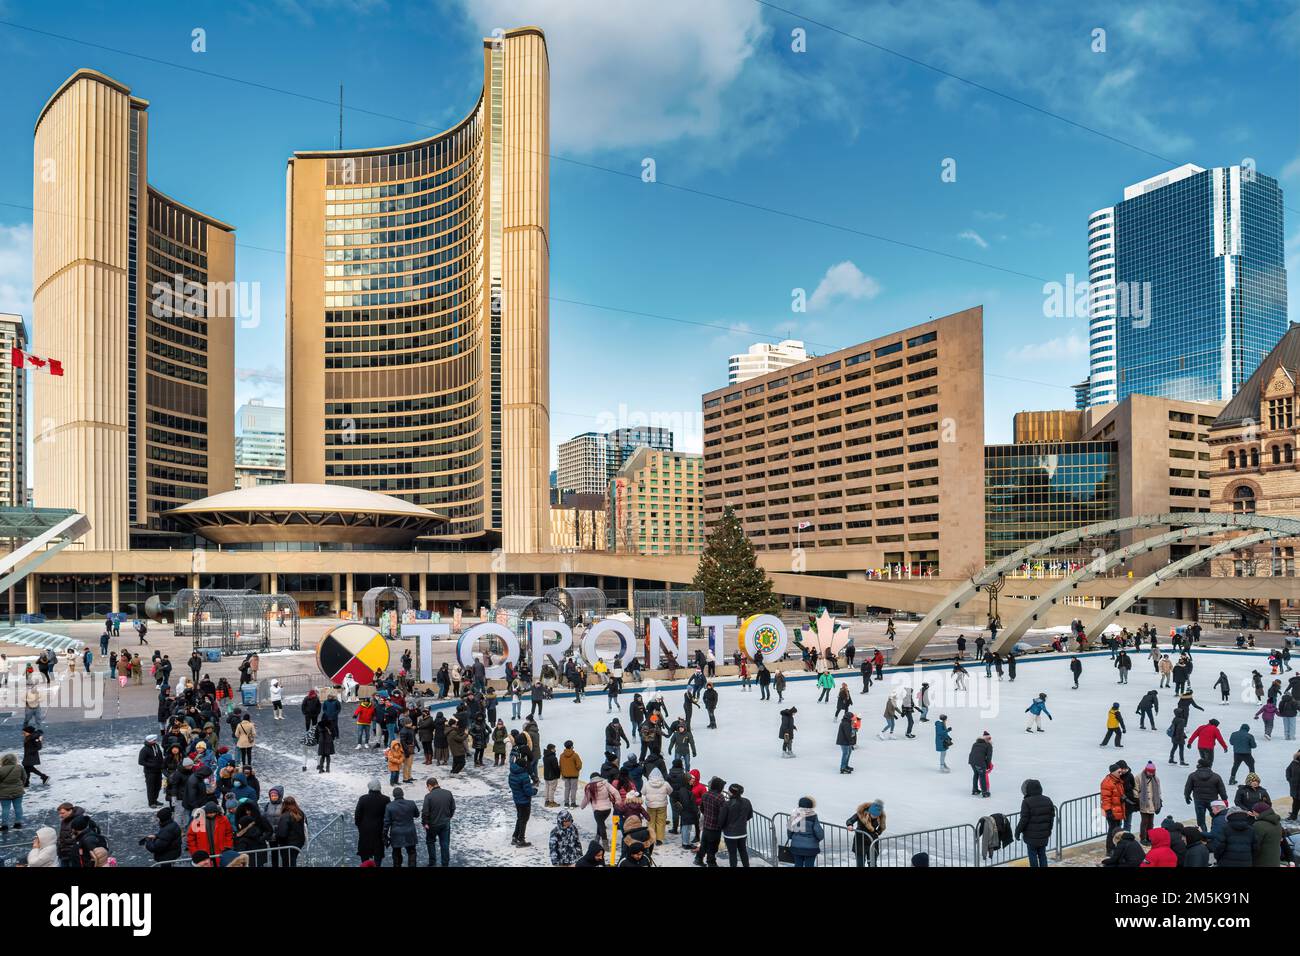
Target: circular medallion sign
pixel 351 648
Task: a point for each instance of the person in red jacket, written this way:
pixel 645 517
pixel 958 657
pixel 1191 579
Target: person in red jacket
pixel 697 789
pixel 1205 737
pixel 210 832
pixel 1160 853
pixel 364 715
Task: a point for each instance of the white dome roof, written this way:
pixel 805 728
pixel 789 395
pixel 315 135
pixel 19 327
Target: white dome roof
pixel 304 497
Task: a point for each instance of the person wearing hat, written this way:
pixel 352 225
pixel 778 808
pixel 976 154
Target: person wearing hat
pixel 1267 835
pixel 399 827
pixel 1150 800
pixel 151 759
pixel 921 859
pixel 1035 710
pixel 804 833
pixel 165 843
pixel 209 830
pixel 635 856
pixel 1114 726
pixel 868 826
pixel 981 762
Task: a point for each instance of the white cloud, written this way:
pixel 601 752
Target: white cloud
pixel 1057 349
pixel 844 280
pixel 972 236
pixel 1291 169
pixel 16 270
pixel 624 75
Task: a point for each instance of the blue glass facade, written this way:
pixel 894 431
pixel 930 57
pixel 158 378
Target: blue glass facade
pixel 1200 284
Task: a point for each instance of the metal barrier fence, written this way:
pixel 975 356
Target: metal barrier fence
pixel 946 846
pixel 1078 820
pixel 21 843
pixel 762 838
pixel 285 856
pixel 290 685
pixel 329 844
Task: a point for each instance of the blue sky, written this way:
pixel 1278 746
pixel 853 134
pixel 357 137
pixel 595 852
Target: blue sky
pixel 844 134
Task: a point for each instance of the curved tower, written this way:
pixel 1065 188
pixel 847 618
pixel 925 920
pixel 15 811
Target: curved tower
pixel 417 342
pixel 123 283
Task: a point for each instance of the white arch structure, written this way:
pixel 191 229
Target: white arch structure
pixel 1008 636
pixel 910 646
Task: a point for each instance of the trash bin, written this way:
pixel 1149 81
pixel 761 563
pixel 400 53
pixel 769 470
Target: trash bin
pixel 249 694
pixel 212 656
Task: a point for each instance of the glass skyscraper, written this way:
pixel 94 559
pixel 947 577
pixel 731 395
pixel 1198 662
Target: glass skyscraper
pixel 1191 293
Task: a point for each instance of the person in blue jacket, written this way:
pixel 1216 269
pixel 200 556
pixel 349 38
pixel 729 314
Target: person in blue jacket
pixel 522 792
pixel 1242 743
pixel 1035 711
pixel 943 742
pixel 329 711
pixel 804 833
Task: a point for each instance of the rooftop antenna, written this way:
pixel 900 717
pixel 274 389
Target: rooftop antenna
pixel 340 116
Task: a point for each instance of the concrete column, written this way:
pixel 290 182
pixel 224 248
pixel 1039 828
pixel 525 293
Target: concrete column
pixel 194 580
pixel 348 607
pixel 564 580
pixel 537 584
pixel 424 591
pixel 273 583
pixel 803 602
pixel 630 583
pixel 1274 614
pixel 33 582
pixel 266 584
pixel 334 601
pixel 114 600
pixel 471 606
pixel 404 582
pixel 492 592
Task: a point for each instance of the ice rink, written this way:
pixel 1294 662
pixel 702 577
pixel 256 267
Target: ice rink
pixel 1067 758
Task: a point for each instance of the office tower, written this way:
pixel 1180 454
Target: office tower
pixel 134 293
pixel 13 414
pixel 870 448
pixel 417 338
pixel 764 357
pixel 1187 285
pixel 259 444
pixel 656 504
pixel 589 461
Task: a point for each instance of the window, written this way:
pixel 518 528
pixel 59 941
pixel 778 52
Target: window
pixel 1232 460
pixel 1254 458
pixel 1243 501
pixel 1277 455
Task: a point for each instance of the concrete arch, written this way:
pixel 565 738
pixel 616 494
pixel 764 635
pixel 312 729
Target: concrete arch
pixel 1117 607
pixel 1008 636
pixel 910 647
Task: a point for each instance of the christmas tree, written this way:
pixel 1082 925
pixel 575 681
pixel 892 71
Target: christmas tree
pixel 729 574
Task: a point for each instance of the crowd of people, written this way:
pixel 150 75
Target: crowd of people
pixel 645 788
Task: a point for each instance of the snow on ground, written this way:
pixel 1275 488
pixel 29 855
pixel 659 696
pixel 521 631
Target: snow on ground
pixel 93 763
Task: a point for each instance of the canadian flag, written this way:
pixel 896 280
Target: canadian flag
pixel 23 359
pixel 803 525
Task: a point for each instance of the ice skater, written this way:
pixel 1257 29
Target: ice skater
pixel 1035 711
pixel 1114 726
pixel 1076 668
pixel 1224 686
pixel 787 730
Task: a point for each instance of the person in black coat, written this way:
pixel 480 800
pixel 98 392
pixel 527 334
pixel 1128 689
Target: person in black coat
pixel 1235 845
pixel 711 705
pixel 980 759
pixel 1076 668
pixel 165 845
pixel 369 820
pixel 1037 818
pixel 786 733
pixel 324 746
pixel 736 814
pixel 310 709
pixel 1197 852
pixel 252 831
pixel 151 758
pixel 1127 852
